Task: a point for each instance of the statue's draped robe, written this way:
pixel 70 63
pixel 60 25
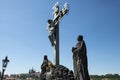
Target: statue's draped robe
pixel 80 61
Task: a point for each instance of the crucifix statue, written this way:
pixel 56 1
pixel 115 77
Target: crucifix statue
pixel 53 28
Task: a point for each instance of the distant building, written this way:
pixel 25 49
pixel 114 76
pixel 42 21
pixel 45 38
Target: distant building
pixel 31 75
pixel 6 75
pixel 32 71
pixel 10 78
pixel 105 79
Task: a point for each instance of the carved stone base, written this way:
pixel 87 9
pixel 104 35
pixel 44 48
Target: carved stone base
pixel 59 72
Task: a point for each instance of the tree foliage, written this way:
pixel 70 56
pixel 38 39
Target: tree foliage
pixel 105 77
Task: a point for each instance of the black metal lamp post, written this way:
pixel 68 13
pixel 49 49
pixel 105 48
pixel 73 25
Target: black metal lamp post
pixel 4 66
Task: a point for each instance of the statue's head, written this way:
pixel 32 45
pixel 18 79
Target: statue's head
pixel 80 38
pixel 49 21
pixel 45 57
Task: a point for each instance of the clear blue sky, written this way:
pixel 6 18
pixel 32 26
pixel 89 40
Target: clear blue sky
pixel 24 38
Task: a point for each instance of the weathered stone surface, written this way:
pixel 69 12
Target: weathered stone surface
pixel 59 72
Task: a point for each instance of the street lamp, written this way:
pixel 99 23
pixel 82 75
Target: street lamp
pixel 4 66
